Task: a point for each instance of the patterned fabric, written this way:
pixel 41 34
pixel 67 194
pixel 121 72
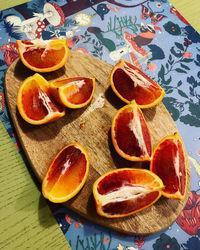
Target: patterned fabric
pixel 149 33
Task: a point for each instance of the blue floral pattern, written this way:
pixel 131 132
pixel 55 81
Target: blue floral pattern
pixel 156 37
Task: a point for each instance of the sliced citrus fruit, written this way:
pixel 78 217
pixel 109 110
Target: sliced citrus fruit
pixel 169 163
pixel 130 134
pixel 36 103
pixel 75 92
pixel 125 191
pixel 130 83
pixel 43 55
pixel 66 174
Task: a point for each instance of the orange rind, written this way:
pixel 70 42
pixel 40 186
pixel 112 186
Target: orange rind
pixel 35 102
pixel 43 55
pixel 74 92
pixel 122 192
pixel 130 83
pixel 169 163
pixel 130 134
pixel 66 174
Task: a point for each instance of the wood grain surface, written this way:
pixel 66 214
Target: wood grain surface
pixel 92 130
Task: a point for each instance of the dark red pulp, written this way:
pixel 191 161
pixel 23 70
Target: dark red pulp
pixel 27 42
pixel 35 57
pixel 35 103
pixel 114 181
pixel 163 166
pixel 128 206
pixel 130 90
pixel 70 156
pixel 125 137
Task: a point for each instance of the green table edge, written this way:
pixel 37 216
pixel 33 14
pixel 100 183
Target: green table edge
pixel 26 220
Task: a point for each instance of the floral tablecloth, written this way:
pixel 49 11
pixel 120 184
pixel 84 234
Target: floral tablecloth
pixel 155 36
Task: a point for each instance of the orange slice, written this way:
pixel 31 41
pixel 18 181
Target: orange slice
pixel 66 174
pixel 75 92
pixel 36 103
pixel 169 163
pixel 130 134
pixel 43 55
pixel 130 83
pixel 125 191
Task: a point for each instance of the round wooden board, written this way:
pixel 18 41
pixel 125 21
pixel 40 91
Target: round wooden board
pixel 92 130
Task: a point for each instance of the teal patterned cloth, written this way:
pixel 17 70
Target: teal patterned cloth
pixel 154 35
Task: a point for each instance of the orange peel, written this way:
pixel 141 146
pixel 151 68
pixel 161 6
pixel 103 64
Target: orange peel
pixel 169 163
pixel 35 102
pixel 43 55
pixel 122 192
pixel 130 83
pixel 66 174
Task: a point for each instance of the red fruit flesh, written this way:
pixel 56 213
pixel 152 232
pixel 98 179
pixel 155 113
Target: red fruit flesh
pixel 43 58
pixel 127 206
pixel 37 104
pixel 68 167
pixel 125 137
pixel 80 93
pixel 135 88
pixel 169 164
pixel 125 191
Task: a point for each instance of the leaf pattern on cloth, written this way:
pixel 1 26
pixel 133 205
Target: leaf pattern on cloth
pixel 159 40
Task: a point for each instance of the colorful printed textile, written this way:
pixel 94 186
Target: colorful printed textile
pixel 149 33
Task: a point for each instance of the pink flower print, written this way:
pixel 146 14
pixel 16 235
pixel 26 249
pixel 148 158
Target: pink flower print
pixel 10 52
pixel 152 66
pixel 188 219
pixel 187 54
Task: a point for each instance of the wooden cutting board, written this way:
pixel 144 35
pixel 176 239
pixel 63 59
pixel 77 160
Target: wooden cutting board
pixel 90 126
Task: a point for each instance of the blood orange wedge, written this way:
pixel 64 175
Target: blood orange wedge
pixel 130 134
pixel 43 55
pixel 169 163
pixel 75 92
pixel 125 191
pixel 66 174
pixel 36 103
pixel 130 83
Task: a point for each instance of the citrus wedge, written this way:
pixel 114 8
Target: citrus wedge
pixel 169 163
pixel 43 55
pixel 66 174
pixel 130 134
pixel 130 83
pixel 35 102
pixel 125 191
pixel 75 92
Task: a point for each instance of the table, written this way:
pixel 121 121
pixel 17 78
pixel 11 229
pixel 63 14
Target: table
pixel 10 3
pixel 174 61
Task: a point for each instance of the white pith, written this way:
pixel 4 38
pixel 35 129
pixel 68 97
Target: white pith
pixel 136 76
pixel 66 167
pixel 131 192
pixel 176 163
pixel 135 126
pixel 45 101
